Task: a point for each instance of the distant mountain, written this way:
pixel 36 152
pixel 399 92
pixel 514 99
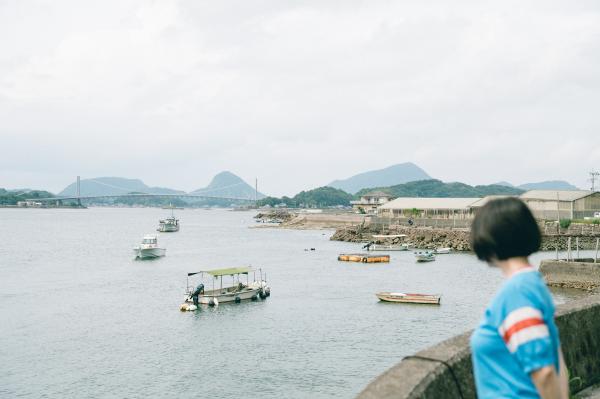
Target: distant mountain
pixel 226 184
pixel 503 183
pixel 393 175
pixel 549 185
pixel 439 189
pixel 113 186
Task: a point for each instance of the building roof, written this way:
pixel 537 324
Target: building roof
pixel 377 194
pixel 552 195
pixel 430 203
pixel 481 202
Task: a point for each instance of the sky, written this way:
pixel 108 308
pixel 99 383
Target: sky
pixel 297 93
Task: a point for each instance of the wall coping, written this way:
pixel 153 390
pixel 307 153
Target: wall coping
pixel 412 377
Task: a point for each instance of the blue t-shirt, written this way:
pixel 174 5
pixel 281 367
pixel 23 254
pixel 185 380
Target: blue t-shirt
pixel 516 337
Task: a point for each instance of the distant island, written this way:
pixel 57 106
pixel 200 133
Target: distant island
pixel 390 176
pixel 400 180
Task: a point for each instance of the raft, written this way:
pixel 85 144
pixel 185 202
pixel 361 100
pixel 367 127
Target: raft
pixel 364 258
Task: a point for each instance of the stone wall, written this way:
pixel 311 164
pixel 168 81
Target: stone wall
pixel 579 325
pixel 457 239
pixel 582 274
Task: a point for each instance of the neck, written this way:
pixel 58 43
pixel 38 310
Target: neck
pixel 512 265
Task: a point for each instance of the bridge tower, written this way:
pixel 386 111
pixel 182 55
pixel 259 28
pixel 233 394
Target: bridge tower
pixel 78 191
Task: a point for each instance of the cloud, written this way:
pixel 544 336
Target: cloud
pixel 297 93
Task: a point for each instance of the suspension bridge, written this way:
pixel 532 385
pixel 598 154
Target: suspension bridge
pixel 207 194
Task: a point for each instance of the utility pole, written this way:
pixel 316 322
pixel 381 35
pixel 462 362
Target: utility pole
pixel 594 176
pixel 256 192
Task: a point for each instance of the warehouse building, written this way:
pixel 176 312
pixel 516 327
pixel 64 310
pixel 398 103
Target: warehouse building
pixel 563 204
pixel 442 208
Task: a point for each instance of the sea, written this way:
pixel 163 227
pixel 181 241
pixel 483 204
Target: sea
pixel 81 318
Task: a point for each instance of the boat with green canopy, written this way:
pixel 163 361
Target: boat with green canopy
pixel 231 284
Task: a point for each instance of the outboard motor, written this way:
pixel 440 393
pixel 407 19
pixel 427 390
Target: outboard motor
pixel 199 290
pixel 368 245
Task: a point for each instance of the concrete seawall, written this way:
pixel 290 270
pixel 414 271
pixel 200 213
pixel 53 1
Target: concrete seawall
pixel 582 273
pixel 445 370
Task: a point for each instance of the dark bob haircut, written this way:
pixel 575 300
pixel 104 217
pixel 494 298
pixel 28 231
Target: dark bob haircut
pixel 504 228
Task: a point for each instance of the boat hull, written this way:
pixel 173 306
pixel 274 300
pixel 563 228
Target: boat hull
pixel 167 229
pixel 381 247
pixel 409 298
pixel 149 253
pixel 229 296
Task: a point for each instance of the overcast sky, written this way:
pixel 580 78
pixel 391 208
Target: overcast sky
pixel 297 93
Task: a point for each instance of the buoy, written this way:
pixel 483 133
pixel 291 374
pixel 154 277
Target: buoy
pixel 238 299
pixel 213 302
pixel 254 297
pixel 262 294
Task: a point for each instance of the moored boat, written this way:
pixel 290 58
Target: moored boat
pixel 425 256
pixel 236 292
pixel 440 251
pixel 400 297
pixel 364 258
pixel 389 242
pixel 149 248
pixel 168 225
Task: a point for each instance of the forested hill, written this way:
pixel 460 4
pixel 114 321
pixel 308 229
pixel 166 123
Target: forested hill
pixel 316 198
pixel 439 189
pixel 11 197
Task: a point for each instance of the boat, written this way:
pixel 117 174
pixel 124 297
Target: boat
pixel 439 251
pixel 408 298
pixel 364 258
pixel 391 242
pixel 168 225
pixel 385 247
pixel 237 292
pixel 149 248
pixel 425 256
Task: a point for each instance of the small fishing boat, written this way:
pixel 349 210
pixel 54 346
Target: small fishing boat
pixel 440 251
pixel 408 298
pixel 149 248
pixel 168 225
pixel 425 256
pixel 236 292
pixel 390 242
pixel 364 258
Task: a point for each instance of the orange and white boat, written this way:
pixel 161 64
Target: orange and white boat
pixel 409 298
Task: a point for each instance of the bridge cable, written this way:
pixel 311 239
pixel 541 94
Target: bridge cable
pixel 431 359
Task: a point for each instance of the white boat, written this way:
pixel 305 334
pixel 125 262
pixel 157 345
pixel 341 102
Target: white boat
pixel 390 242
pixel 386 247
pixel 425 256
pixel 236 292
pixel 168 225
pixel 439 251
pixel 408 298
pixel 149 248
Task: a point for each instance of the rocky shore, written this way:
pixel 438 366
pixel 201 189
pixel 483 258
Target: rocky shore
pixel 457 239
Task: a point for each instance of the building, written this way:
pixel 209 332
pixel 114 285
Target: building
pixel 562 204
pixel 369 202
pixel 442 208
pixel 29 204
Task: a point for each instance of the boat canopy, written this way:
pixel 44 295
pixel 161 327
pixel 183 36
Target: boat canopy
pixel 225 272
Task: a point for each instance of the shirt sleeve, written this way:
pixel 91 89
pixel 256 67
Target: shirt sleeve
pixel 524 330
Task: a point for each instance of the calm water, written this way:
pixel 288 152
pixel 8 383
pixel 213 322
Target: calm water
pixel 81 318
